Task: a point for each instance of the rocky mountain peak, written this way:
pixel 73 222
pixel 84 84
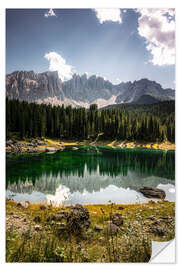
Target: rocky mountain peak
pixel 48 87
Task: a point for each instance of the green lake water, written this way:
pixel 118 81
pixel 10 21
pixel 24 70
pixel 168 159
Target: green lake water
pixel 89 175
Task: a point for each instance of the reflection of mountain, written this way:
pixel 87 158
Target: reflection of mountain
pixel 79 170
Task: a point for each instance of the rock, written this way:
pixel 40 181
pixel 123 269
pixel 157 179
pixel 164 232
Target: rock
pixel 24 204
pixel 112 228
pixel 9 143
pixel 15 216
pixel 150 192
pixel 158 231
pixel 78 218
pixel 37 219
pixel 117 219
pixel 43 207
pixel 37 228
pixel 74 148
pixel 98 228
pixel 63 213
pixel 151 217
pixel 60 230
pixel 40 143
pixel 50 149
pixel 151 201
pixel 30 144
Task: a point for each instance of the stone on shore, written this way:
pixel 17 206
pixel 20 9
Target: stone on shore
pixel 150 192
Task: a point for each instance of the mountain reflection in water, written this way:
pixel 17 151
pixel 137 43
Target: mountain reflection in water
pixel 89 175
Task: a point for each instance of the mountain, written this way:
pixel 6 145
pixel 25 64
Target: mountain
pixel 146 99
pixel 47 87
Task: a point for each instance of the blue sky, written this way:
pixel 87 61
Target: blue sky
pixel 120 45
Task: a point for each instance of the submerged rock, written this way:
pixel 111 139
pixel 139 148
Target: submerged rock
pixel 150 192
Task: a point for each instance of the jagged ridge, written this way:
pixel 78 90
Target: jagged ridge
pixel 47 87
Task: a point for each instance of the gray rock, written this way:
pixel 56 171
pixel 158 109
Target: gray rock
pixel 117 219
pixel 78 218
pixel 150 192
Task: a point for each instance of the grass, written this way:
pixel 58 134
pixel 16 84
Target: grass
pixel 132 243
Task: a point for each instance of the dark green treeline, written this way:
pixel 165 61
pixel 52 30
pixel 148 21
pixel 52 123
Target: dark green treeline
pixel 154 122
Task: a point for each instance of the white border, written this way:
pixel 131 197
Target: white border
pixel 73 4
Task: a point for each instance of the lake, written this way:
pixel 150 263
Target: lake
pixel 89 175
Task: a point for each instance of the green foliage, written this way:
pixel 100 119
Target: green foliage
pixel 154 122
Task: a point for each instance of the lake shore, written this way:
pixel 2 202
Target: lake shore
pixel 23 146
pixel 34 229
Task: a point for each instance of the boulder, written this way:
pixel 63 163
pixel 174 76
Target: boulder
pixel 78 218
pixel 50 149
pixel 117 219
pixel 150 192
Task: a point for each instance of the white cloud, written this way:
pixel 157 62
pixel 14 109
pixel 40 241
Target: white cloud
pixel 49 13
pixel 157 26
pixel 108 14
pixel 58 63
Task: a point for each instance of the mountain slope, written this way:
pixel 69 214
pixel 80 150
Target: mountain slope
pixel 47 87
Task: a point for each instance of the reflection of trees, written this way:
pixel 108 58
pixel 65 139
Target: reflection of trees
pixel 90 170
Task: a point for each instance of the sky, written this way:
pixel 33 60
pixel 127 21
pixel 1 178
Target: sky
pixel 118 44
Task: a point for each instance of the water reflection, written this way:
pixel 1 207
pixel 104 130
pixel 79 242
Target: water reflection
pixel 89 176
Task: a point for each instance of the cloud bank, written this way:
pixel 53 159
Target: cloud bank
pixel 157 26
pixel 49 13
pixel 58 63
pixel 108 14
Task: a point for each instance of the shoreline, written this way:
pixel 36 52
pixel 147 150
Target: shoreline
pixel 39 145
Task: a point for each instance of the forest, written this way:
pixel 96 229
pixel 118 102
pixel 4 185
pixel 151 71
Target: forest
pixel 150 123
